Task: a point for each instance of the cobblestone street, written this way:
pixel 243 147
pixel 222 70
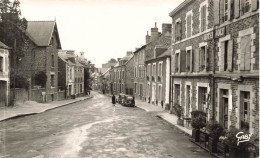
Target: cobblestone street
pixel 91 129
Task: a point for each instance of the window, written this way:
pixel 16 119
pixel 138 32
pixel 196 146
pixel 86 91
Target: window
pixel 177 91
pixel 203 18
pixel 149 70
pixel 178 31
pixel 135 72
pixel 202 99
pixel 177 56
pixel 245 55
pixel 135 87
pixel 52 80
pixel 202 58
pixel 1 64
pixel 245 7
pixel 225 55
pixel 244 110
pixel 225 17
pixel 189 27
pixel 188 60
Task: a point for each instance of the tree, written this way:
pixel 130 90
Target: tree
pixel 87 79
pixel 13 31
pixel 12 26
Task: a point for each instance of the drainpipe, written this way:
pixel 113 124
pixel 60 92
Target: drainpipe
pixel 213 78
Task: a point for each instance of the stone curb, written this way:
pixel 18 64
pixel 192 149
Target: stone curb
pixel 176 127
pixel 33 113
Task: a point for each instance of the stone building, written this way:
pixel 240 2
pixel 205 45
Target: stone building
pixel 120 74
pixel 157 43
pixel 71 74
pixel 215 61
pixel 129 76
pixel 139 73
pixel 41 57
pixel 158 77
pixel 4 75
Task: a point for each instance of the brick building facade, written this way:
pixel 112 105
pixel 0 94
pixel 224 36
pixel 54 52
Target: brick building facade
pixel 215 61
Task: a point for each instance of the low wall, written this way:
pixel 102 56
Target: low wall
pixel 61 95
pixel 37 95
pixel 21 95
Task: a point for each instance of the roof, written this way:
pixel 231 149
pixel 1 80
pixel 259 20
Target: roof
pixel 140 48
pixel 166 53
pixel 126 58
pixel 179 7
pixel 2 45
pixel 41 32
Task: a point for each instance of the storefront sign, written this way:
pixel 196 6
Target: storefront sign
pixel 208 36
pixel 220 32
pixel 241 137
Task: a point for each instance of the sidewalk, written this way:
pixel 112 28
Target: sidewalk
pixel 31 107
pixel 163 114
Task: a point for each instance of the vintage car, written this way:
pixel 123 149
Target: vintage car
pixel 120 98
pixel 128 100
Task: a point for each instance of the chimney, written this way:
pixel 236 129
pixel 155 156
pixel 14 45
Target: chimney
pixel 128 53
pixel 166 28
pixel 148 38
pixel 154 33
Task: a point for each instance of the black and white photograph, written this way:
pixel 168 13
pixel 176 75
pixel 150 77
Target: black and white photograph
pixel 129 78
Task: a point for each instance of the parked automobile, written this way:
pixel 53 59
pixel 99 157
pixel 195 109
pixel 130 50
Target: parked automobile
pixel 120 98
pixel 128 100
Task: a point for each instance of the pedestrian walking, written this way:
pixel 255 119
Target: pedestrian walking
pixel 114 101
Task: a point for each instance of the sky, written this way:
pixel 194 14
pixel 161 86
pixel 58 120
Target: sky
pixel 103 29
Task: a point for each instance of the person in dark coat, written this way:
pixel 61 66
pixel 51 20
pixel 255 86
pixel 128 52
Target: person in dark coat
pixel 113 100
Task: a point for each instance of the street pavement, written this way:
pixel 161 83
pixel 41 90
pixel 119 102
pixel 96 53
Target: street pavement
pixel 91 128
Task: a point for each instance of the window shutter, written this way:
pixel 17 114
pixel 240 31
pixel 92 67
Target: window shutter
pixel 221 66
pixel 221 8
pixel 201 19
pixel 216 11
pixel 230 55
pixel 180 35
pixel 237 8
pixel 183 61
pixel 254 5
pixel 173 32
pixel 206 58
pixel 173 61
pixel 191 60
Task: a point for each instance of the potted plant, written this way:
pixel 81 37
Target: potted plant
pixel 198 121
pixel 178 111
pixel 215 131
pixel 204 136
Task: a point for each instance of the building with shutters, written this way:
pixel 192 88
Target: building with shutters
pixel 158 77
pixel 156 44
pixel 71 74
pixel 215 54
pixel 139 73
pixel 119 73
pixel 4 75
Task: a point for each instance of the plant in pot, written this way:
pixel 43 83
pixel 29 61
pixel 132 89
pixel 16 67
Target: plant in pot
pixel 240 143
pixel 197 122
pixel 215 130
pixel 178 111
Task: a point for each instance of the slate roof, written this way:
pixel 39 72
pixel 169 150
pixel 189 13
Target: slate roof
pixel 41 32
pixel 166 53
pixel 2 45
